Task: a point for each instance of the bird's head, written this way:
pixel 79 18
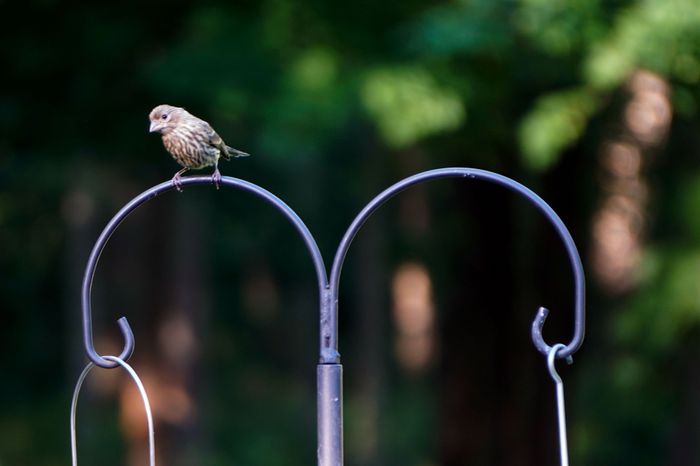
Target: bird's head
pixel 164 118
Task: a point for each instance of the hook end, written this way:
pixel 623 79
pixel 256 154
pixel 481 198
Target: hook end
pixel 539 342
pixel 126 353
pixel 128 335
pixel 537 325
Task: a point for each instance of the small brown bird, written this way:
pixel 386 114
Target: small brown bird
pixel 192 142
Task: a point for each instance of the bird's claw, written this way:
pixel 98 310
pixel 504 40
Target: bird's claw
pixel 177 182
pixel 216 178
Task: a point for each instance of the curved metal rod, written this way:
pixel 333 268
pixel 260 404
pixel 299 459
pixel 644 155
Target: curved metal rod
pixel 144 399
pixel 331 333
pixel 146 196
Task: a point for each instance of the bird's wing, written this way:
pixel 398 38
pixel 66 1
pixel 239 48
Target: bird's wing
pixel 214 139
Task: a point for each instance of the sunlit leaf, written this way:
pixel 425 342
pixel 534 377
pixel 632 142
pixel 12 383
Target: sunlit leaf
pixel 556 122
pixel 408 104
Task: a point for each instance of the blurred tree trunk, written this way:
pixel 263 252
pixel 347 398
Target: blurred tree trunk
pixel 160 255
pixel 183 300
pixel 78 215
pixel 495 403
pixel 367 378
pixel 683 445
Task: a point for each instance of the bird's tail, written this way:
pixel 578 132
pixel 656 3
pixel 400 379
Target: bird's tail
pixel 235 153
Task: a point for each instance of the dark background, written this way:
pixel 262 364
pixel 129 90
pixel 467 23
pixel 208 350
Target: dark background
pixel 592 104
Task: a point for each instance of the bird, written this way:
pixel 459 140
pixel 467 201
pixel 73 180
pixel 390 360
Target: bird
pixel 191 141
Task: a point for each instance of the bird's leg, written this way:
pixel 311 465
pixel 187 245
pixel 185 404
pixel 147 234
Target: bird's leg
pixel 177 179
pixel 216 176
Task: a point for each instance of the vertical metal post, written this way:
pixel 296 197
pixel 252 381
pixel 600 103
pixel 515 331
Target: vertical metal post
pixel 329 378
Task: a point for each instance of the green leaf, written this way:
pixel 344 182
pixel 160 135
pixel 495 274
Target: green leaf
pixel 407 105
pixel 556 122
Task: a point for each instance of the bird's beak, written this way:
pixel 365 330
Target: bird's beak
pixel 154 127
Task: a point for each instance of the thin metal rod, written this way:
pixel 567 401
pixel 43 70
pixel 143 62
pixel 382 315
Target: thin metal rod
pixel 561 412
pixel 153 192
pixel 146 406
pixel 330 329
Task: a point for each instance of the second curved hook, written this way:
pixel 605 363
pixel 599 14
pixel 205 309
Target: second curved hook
pixel 484 175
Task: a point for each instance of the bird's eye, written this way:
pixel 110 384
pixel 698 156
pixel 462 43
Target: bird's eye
pixel 164 116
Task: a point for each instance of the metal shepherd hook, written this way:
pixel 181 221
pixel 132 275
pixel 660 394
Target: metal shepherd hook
pixel 150 194
pixel 329 369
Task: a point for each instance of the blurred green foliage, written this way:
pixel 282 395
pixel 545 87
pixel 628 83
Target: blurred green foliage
pixel 335 101
pixel 408 106
pixel 557 121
